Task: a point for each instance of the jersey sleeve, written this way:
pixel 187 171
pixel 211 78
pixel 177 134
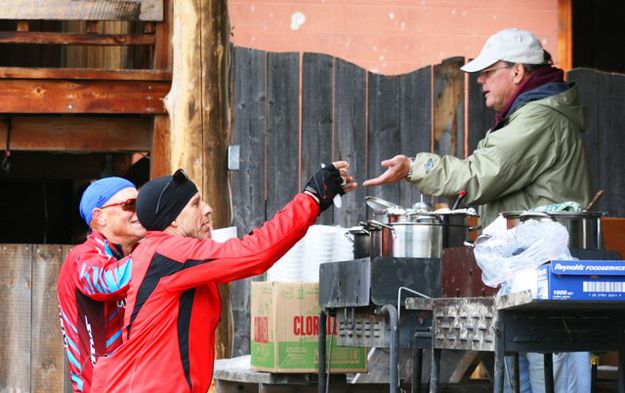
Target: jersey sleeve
pixel 100 276
pixel 206 261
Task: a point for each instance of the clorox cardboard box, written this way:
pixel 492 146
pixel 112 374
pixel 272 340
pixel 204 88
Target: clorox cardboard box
pixel 285 329
pixel 582 280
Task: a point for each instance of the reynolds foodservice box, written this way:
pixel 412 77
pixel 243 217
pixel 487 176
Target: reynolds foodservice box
pixel 582 280
pixel 285 328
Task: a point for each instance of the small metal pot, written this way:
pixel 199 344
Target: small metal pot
pixel 455 228
pixel 361 240
pixel 584 227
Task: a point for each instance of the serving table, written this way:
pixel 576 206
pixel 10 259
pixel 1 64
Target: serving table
pixel 518 323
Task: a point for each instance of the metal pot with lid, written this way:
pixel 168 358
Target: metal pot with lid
pixel 584 227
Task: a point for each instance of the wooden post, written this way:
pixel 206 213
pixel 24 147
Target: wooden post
pixel 198 106
pixel 565 35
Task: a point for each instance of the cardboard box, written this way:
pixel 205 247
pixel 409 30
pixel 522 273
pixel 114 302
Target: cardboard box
pixel 285 329
pixel 582 280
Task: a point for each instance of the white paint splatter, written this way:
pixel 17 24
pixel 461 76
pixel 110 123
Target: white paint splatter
pixel 391 15
pixel 402 26
pixel 297 20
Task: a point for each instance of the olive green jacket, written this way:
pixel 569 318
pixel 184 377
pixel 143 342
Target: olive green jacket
pixel 536 159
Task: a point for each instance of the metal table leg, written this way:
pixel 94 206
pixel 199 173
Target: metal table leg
pixel 435 370
pixel 393 321
pixel 417 368
pixel 621 369
pixel 593 373
pixel 549 385
pixel 516 380
pixel 321 387
pixel 499 358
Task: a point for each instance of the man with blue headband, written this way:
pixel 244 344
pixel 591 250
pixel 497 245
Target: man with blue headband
pixel 94 278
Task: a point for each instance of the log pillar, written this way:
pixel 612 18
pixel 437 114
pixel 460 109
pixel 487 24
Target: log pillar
pixel 199 113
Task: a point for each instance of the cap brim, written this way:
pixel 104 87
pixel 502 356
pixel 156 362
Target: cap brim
pixel 478 64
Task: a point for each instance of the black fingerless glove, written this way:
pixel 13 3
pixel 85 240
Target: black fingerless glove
pixel 324 185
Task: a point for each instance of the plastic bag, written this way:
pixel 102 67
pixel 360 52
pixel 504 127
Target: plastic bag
pixel 527 246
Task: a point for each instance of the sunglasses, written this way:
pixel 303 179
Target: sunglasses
pixel 128 205
pixel 179 177
pixel 489 71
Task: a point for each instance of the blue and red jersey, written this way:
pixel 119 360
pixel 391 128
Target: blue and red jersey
pixel 92 287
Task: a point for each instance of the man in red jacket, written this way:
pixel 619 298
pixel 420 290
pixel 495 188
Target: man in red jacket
pixel 94 278
pixel 173 303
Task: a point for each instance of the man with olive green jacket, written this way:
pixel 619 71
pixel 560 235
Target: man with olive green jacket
pixel 536 158
pixel 533 155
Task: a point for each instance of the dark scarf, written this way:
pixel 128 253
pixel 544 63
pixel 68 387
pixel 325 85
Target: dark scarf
pixel 538 78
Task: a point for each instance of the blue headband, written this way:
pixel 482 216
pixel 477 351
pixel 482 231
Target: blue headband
pixel 98 193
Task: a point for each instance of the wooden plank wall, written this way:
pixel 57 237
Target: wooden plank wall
pixel 603 94
pixel 30 336
pixel 343 112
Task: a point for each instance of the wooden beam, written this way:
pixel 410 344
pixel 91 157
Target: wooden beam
pixel 78 134
pixel 83 73
pixel 565 35
pixel 61 96
pixel 163 51
pixel 160 159
pixel 43 38
pixel 146 10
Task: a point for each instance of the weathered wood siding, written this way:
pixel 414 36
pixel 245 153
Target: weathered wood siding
pixel 30 336
pixel 146 10
pixel 603 95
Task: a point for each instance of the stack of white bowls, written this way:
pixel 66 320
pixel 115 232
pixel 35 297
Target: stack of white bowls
pixel 319 247
pixel 222 234
pixel 322 243
pixel 343 246
pixel 289 267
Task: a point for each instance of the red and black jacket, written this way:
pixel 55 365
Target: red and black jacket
pixel 173 303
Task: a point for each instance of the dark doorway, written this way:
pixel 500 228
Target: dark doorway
pixel 599 34
pixel 41 191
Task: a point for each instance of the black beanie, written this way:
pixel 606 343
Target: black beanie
pixel 174 195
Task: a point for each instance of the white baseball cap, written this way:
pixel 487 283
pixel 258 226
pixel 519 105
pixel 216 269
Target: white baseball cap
pixel 513 45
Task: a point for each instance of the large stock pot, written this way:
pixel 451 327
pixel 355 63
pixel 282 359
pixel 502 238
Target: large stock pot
pixel 584 227
pixel 419 235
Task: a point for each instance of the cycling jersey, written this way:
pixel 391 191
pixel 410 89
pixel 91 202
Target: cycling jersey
pixel 91 287
pixel 173 303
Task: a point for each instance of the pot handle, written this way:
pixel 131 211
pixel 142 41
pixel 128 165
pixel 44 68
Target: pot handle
pixel 422 218
pixel 377 223
pixel 474 228
pixel 541 214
